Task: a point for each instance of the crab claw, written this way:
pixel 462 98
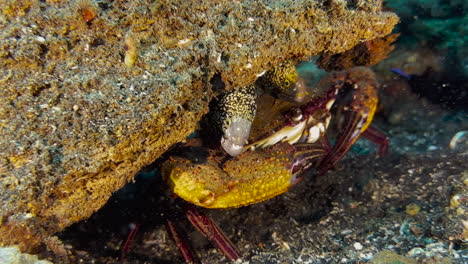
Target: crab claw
pixel 249 178
pixel 359 97
pixel 252 177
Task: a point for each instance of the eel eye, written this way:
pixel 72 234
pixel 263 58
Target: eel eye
pixel 286 83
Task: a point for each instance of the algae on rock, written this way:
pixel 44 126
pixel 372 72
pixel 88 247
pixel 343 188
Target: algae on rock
pixel 77 122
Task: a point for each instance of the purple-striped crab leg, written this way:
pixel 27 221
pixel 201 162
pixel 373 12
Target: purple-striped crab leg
pixel 212 232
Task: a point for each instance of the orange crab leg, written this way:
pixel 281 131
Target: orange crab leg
pixel 211 231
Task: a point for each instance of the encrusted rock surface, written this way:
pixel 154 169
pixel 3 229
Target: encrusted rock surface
pixel 12 255
pixel 92 91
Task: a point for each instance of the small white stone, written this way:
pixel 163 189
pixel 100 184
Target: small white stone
pixel 28 215
pixel 184 41
pixel 251 19
pixel 432 148
pixel 417 251
pixel 346 232
pixel 367 256
pixel 260 74
pixel 358 246
pixel 40 39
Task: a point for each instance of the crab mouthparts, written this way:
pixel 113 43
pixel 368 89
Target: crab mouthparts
pixel 290 134
pixel 302 132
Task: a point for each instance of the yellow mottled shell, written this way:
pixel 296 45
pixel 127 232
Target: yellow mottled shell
pixel 249 178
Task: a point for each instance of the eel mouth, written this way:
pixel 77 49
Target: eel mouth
pixel 236 136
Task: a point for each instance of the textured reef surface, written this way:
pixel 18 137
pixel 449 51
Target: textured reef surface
pixel 92 91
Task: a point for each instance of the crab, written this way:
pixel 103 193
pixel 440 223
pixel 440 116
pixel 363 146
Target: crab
pixel 286 139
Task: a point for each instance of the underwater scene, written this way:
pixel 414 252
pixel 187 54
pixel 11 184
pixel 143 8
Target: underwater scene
pixel 217 131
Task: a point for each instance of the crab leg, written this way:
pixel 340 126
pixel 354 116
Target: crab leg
pixel 211 231
pixel 307 155
pixel 181 243
pixel 377 137
pixel 344 142
pixel 361 101
pixel 128 242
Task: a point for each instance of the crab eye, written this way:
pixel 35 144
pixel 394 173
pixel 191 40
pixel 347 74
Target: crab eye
pixel 297 115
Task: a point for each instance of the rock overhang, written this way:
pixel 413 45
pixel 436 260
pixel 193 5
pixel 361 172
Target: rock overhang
pixel 87 102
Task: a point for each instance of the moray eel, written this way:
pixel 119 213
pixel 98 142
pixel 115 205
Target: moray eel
pixel 233 115
pixel 284 82
pixel 235 111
